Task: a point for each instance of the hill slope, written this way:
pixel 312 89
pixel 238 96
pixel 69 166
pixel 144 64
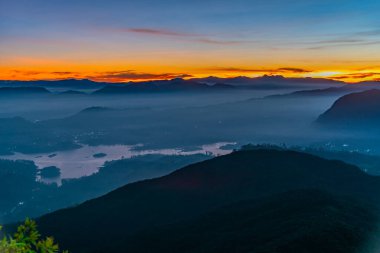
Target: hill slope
pixel 198 189
pixel 322 223
pixel 354 110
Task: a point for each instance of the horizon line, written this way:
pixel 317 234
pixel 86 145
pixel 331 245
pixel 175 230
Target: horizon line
pixel 186 78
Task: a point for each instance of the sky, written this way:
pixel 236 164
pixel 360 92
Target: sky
pixel 134 40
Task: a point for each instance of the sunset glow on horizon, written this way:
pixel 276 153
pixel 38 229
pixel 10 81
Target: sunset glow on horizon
pixel 121 41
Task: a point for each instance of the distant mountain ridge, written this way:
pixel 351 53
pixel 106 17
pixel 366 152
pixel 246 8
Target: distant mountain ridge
pixel 9 91
pixel 354 110
pixel 160 86
pixel 264 82
pixel 271 82
pixel 307 86
pixel 66 84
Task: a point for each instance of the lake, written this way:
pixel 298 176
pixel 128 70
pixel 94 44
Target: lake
pixel 87 160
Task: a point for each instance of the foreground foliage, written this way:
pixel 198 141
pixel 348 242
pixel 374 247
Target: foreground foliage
pixel 27 239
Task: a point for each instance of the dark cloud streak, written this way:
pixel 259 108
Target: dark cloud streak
pixel 157 32
pixel 113 76
pixel 357 75
pixel 192 37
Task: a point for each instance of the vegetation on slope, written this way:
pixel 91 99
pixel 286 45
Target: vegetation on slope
pixel 143 211
pixel 27 239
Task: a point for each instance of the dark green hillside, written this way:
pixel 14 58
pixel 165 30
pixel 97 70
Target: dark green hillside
pixel 297 221
pixel 204 187
pixel 18 183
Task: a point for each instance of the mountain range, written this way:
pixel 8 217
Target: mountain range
pixel 271 82
pixel 307 86
pixel 23 91
pixel 264 82
pixel 76 84
pixel 161 86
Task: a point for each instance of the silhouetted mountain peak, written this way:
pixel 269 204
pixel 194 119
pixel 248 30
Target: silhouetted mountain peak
pixel 273 77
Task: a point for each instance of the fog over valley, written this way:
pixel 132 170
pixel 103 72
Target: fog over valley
pixel 62 146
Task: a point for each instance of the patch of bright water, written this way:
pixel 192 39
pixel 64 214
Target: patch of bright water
pixel 87 159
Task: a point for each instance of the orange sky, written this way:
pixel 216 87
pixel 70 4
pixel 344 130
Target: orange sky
pixel 116 73
pixel 120 41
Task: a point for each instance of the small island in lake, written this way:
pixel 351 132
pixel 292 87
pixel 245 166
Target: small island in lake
pixel 50 172
pixel 99 155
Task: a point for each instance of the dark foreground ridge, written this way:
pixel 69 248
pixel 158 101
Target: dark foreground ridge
pixel 248 201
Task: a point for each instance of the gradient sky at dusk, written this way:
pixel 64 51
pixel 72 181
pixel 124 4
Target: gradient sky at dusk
pixel 115 40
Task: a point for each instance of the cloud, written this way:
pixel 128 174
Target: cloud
pixel 231 69
pixel 356 75
pixel 130 75
pixel 374 32
pixel 293 70
pixel 363 43
pixel 337 41
pixel 26 72
pixel 35 73
pixel 107 76
pixel 63 73
pixel 193 37
pixel 360 38
pixel 48 75
pixel 220 42
pixel 158 32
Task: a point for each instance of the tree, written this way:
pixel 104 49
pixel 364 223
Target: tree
pixel 27 239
